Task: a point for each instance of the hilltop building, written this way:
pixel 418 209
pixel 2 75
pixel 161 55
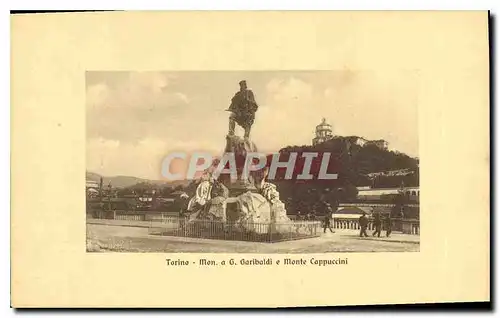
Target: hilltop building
pixel 324 132
pixel 382 144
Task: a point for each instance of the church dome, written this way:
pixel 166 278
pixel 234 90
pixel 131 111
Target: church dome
pixel 324 132
pixel 323 126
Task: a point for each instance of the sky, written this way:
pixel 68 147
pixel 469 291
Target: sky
pixel 134 119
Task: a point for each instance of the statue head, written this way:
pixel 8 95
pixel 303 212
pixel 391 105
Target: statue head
pixel 207 176
pixel 243 85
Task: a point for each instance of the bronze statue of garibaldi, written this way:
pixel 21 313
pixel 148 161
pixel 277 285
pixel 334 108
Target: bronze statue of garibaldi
pixel 243 107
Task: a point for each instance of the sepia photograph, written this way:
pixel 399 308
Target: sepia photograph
pixel 252 161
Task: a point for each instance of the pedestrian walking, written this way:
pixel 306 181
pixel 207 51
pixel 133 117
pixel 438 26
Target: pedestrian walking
pixel 327 220
pixel 377 222
pixel 363 224
pixel 388 225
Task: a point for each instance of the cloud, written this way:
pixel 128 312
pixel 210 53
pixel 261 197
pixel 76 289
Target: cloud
pixel 289 104
pixel 97 95
pixel 141 159
pixel 142 101
pixel 329 93
pixel 282 92
pixel 182 97
pixel 138 90
pixel 147 81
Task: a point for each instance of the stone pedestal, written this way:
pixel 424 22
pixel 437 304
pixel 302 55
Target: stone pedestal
pixel 239 147
pixel 239 187
pixel 247 205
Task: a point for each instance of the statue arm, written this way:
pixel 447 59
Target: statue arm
pixel 234 103
pixel 251 99
pixel 231 105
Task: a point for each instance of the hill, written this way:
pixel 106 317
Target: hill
pixel 354 165
pixel 358 162
pixel 128 181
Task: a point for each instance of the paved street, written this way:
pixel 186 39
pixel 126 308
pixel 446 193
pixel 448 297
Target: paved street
pixel 113 238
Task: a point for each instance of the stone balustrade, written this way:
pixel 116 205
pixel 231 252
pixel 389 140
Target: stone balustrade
pixel 406 226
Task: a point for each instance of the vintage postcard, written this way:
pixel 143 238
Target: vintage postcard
pixel 265 153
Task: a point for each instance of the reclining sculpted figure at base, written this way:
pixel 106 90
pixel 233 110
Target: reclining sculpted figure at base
pixel 209 201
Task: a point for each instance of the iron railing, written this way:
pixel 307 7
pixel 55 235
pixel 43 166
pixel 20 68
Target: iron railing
pixel 235 231
pixel 168 221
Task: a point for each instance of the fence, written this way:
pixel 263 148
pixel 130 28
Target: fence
pixel 240 231
pixel 126 215
pixel 407 226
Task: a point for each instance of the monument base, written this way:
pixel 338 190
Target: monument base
pixel 239 187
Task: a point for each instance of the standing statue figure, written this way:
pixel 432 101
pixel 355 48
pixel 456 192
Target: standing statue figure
pixel 242 108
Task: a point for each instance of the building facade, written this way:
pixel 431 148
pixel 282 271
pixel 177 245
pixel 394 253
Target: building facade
pixel 92 188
